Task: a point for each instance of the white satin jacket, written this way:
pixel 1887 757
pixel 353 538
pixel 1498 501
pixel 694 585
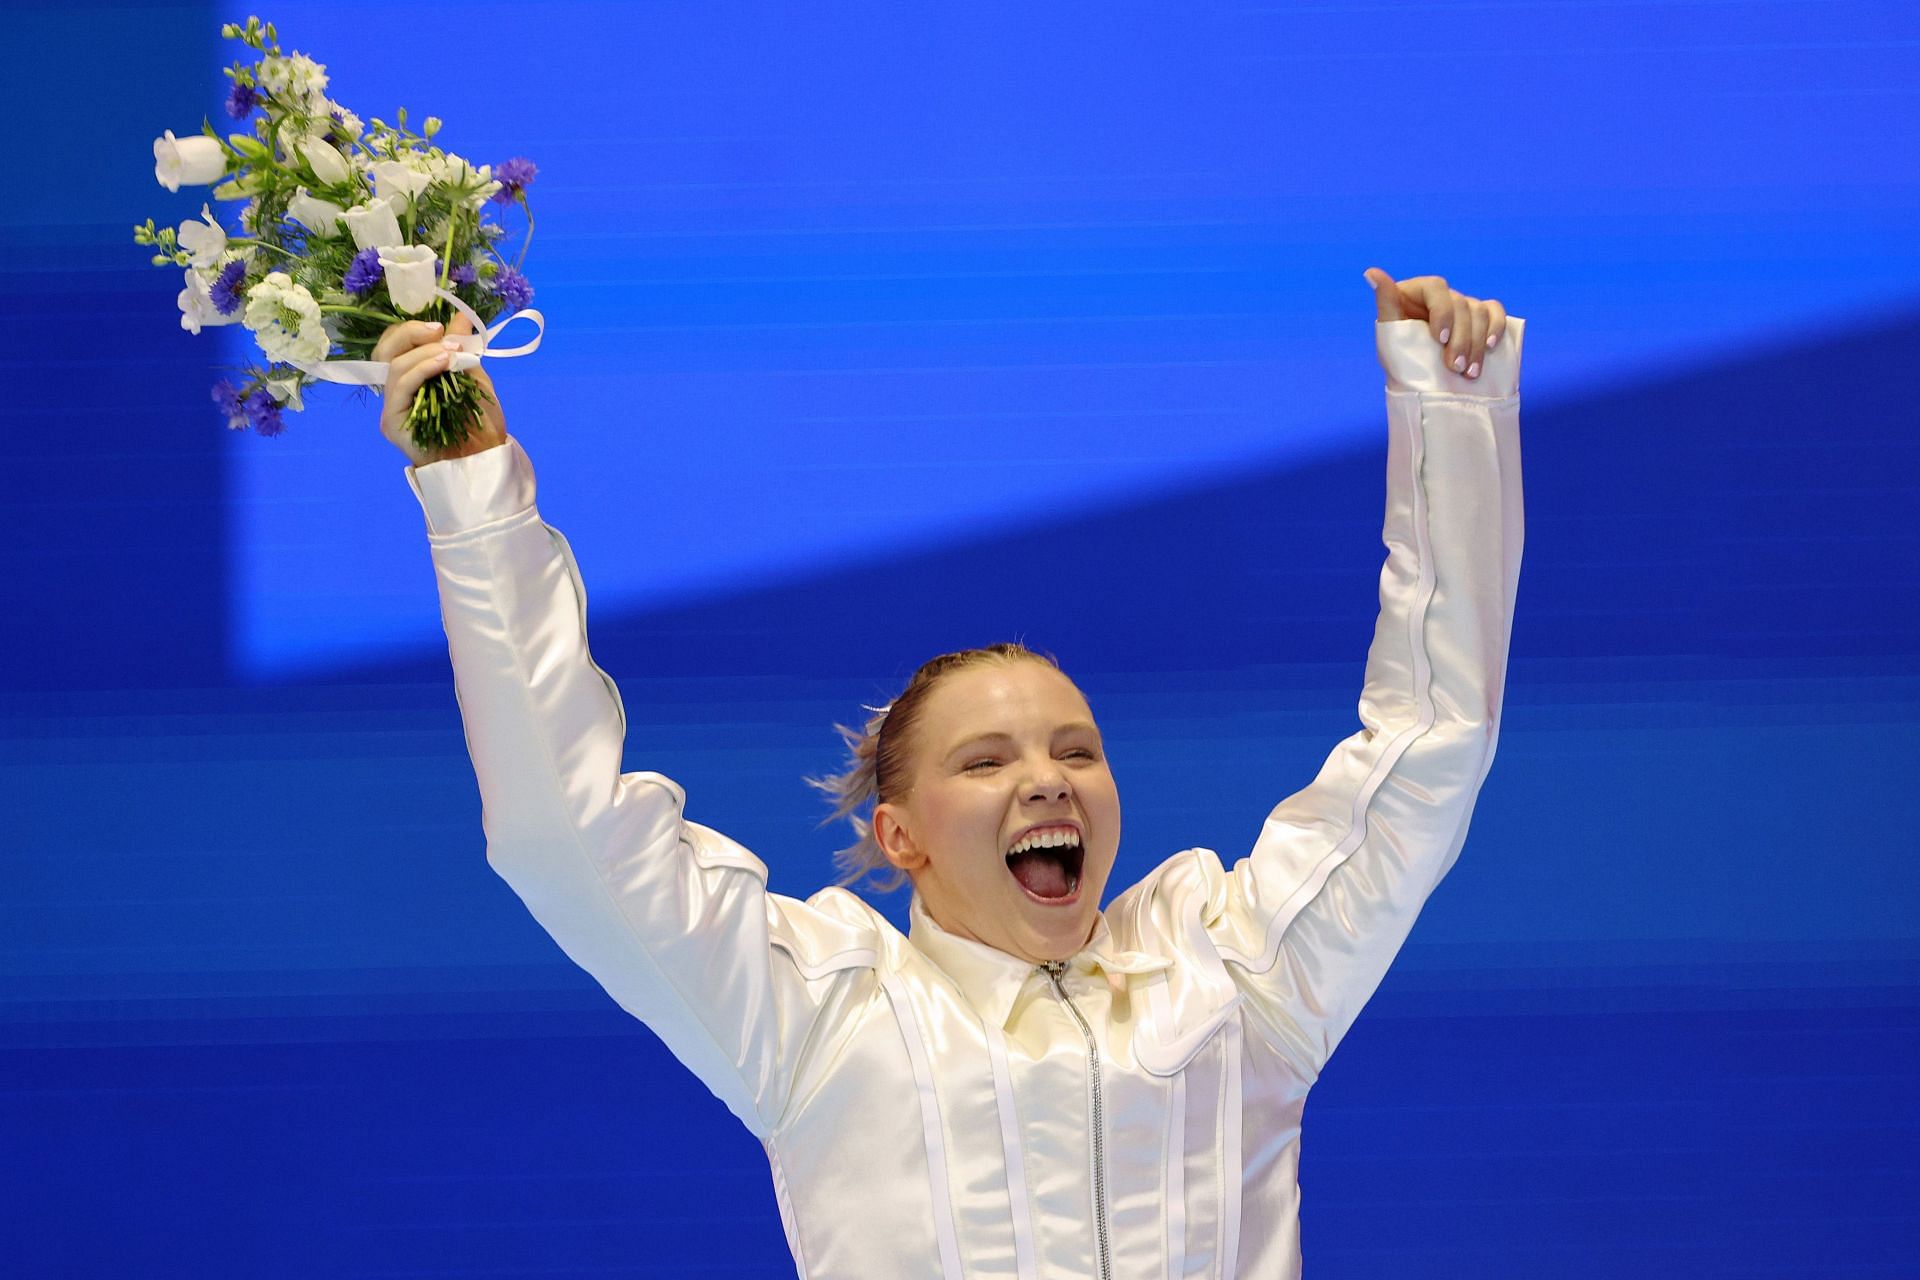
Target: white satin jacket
pixel 932 1107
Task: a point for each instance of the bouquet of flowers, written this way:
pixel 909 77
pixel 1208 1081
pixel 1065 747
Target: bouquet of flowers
pixel 349 227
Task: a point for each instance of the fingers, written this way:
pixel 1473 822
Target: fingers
pixel 403 336
pixel 1470 344
pixel 1386 294
pixel 409 371
pixel 1465 327
pixel 1438 301
pixel 1496 322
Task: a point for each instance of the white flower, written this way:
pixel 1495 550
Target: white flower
pixel 328 164
pixel 206 241
pixel 285 387
pixel 395 181
pixel 455 171
pixel 196 304
pixel 285 320
pixel 195 161
pixel 321 216
pixel 349 123
pixel 411 276
pixel 373 225
pixel 296 81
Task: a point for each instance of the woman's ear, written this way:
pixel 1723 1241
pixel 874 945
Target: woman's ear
pixel 894 838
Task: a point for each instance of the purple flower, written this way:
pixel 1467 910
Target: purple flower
pixel 226 289
pixel 364 272
pixel 263 412
pixel 227 396
pixel 513 177
pixel 241 100
pixel 512 288
pixel 463 274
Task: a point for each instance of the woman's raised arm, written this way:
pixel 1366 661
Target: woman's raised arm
pixel 672 918
pixel 1309 922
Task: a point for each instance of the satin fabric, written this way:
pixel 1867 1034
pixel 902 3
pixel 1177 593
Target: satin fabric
pixel 924 1100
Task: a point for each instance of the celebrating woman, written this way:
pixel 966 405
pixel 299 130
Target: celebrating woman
pixel 1023 1085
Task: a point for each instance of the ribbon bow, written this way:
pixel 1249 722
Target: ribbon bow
pixel 473 347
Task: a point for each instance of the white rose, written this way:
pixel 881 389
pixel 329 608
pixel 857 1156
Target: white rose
pixel 411 276
pixel 329 166
pixel 194 161
pixel 395 181
pixel 373 224
pixel 206 241
pixel 196 304
pixel 321 216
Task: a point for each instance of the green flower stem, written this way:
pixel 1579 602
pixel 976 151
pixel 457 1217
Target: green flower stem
pixel 264 245
pixel 359 311
pixel 446 254
pixel 522 256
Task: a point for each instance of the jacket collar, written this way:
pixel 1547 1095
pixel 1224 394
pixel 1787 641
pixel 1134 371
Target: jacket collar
pixel 992 979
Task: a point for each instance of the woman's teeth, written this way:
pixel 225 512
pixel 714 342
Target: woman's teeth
pixel 1047 863
pixel 1048 838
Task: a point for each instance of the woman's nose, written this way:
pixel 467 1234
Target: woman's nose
pixel 1049 784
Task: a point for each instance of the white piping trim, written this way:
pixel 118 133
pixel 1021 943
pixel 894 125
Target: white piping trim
pixel 788 1222
pixel 1423 719
pixel 858 958
pixel 943 1223
pixel 1230 1190
pixel 1175 1179
pixel 1016 1158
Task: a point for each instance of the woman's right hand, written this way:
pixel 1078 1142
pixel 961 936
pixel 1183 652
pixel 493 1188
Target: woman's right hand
pixel 414 353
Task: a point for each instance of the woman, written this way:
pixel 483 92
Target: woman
pixel 1024 1085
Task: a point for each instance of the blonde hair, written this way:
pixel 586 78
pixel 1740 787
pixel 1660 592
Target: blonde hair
pixel 879 760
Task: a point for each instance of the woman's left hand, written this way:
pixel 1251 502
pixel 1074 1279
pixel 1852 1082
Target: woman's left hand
pixel 1467 327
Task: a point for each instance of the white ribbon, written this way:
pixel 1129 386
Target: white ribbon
pixel 473 347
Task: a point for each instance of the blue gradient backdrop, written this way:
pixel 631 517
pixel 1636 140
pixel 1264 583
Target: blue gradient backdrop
pixel 878 330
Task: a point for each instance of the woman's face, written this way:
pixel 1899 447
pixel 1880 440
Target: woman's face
pixel 1005 752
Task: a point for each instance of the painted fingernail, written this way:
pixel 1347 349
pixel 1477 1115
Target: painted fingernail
pixel 1445 334
pixel 451 344
pixel 1459 363
pixel 1493 342
pixel 1473 370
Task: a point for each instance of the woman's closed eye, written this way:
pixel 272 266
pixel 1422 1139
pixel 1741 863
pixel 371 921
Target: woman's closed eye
pixel 971 765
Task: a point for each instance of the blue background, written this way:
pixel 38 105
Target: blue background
pixel 880 330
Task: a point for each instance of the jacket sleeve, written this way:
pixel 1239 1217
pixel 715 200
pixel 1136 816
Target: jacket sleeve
pixel 1309 921
pixel 670 917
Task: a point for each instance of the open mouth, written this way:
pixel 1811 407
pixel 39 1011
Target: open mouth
pixel 1047 864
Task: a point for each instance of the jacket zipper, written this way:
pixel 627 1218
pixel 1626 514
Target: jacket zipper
pixel 1054 969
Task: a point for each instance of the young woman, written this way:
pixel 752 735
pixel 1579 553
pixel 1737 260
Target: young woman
pixel 1023 1085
